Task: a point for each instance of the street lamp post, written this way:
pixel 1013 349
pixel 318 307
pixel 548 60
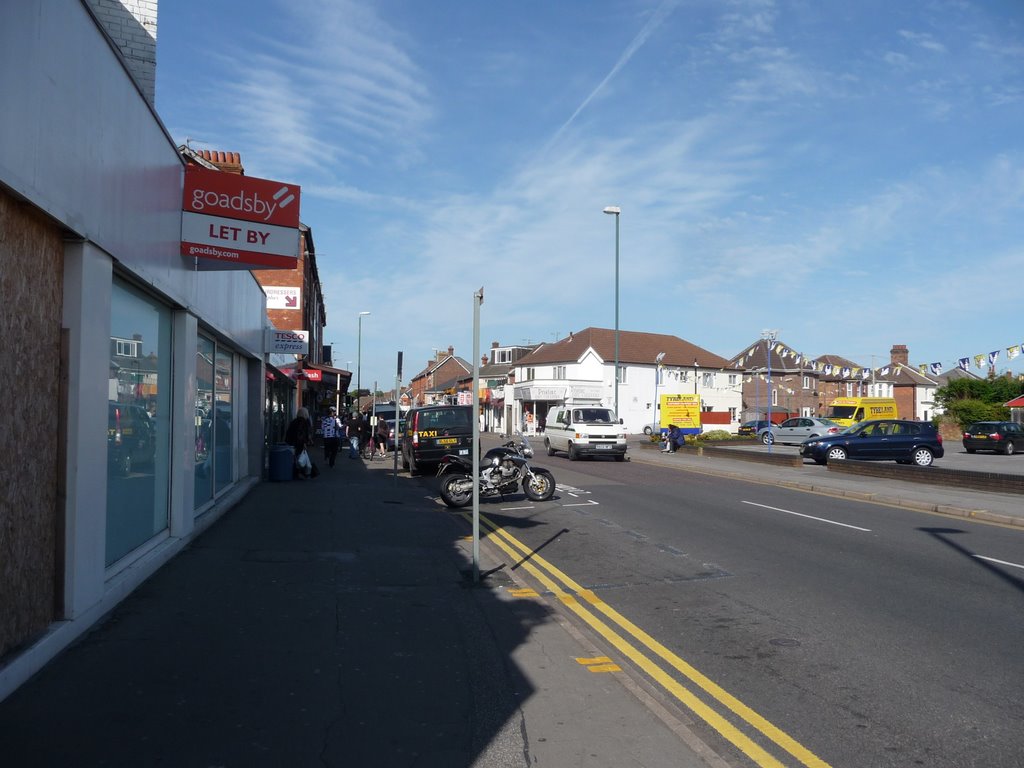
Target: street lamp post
pixel 359 361
pixel 695 376
pixel 615 211
pixel 657 377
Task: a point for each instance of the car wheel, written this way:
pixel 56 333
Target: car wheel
pixel 923 457
pixel 648 431
pixel 767 438
pixel 547 444
pixel 573 456
pixel 1009 449
pixel 836 452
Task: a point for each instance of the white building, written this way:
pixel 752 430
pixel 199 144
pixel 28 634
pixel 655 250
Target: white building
pixel 580 368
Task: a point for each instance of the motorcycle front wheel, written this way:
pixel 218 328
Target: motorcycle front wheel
pixel 457 490
pixel 539 487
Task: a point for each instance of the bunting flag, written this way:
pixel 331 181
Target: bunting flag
pixel 964 364
pixel 936 369
pixel 865 374
pixel 855 372
pixel 828 369
pixel 979 360
pixel 846 372
pixel 1012 352
pixel 992 357
pixel 886 370
pixel 922 369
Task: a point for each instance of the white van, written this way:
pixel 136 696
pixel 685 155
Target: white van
pixel 584 430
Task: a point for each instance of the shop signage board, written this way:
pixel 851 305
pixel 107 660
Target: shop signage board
pixel 229 221
pixel 283 297
pixel 681 410
pixel 287 342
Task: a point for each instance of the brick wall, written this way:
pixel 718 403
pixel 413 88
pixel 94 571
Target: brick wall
pixel 132 26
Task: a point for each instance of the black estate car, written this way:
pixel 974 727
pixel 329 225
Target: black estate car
pixel 1000 436
pixel 905 442
pixel 431 431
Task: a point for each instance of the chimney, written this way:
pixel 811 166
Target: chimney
pixel 899 354
pixel 228 162
pixel 451 350
pixel 495 345
pixel 131 24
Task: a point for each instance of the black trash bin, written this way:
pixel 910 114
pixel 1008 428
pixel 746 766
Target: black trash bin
pixel 281 460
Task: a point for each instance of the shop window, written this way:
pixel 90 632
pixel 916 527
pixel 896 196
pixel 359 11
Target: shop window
pixel 214 454
pixel 204 456
pixel 138 421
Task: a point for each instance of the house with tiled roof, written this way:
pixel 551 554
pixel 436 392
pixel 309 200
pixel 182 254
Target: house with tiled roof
pixel 496 378
pixel 439 379
pixel 776 379
pixel 580 368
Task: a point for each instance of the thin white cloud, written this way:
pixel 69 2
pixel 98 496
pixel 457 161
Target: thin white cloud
pixel 662 12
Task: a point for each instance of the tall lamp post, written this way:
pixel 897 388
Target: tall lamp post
pixel 359 361
pixel 614 210
pixel 657 376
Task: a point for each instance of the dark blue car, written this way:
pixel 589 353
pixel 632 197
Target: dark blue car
pixel 905 442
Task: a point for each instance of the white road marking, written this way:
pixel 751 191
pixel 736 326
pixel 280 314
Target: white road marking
pixel 809 517
pixel 1001 562
pixel 509 509
pixel 588 503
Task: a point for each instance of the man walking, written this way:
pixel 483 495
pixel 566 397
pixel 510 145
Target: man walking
pixel 331 427
pixel 353 430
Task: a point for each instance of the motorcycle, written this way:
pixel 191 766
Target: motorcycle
pixel 502 469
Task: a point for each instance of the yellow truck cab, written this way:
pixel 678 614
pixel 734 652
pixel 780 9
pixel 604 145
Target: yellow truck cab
pixel 848 411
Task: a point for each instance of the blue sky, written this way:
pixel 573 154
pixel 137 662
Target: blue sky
pixel 850 174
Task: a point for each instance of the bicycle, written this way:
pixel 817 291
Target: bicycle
pixel 369 449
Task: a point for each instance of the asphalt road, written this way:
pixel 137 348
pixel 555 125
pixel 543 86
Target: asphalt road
pixel 800 628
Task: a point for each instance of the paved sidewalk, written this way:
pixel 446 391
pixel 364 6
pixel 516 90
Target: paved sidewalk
pixel 333 623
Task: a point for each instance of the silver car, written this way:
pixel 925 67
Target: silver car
pixel 795 431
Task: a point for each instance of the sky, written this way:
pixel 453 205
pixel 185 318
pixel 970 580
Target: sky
pixel 849 175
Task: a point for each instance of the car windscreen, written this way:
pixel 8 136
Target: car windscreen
pixel 592 415
pixel 841 412
pixel 982 428
pixel 444 418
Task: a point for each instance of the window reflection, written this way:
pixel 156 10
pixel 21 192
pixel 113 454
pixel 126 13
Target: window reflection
pixel 137 421
pixel 204 421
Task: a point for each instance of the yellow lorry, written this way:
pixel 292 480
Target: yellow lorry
pixel 848 411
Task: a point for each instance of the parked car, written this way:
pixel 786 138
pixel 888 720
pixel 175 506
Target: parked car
pixel 795 431
pixel 753 427
pixel 131 437
pixel 905 442
pixel 391 434
pixel 1000 436
pixel 431 431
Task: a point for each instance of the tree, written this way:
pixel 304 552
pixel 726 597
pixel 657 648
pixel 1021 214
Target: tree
pixel 969 400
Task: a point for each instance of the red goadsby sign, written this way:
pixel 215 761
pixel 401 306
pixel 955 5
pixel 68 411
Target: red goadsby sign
pixel 230 221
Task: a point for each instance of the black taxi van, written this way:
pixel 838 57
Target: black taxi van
pixel 431 431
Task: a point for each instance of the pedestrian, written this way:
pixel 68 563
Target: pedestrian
pixel 676 438
pixel 299 436
pixel 383 430
pixel 332 428
pixel 353 431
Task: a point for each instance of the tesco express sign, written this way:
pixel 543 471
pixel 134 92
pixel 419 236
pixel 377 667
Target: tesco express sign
pixel 287 342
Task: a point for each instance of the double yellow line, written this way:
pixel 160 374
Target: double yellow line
pixel 571 596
